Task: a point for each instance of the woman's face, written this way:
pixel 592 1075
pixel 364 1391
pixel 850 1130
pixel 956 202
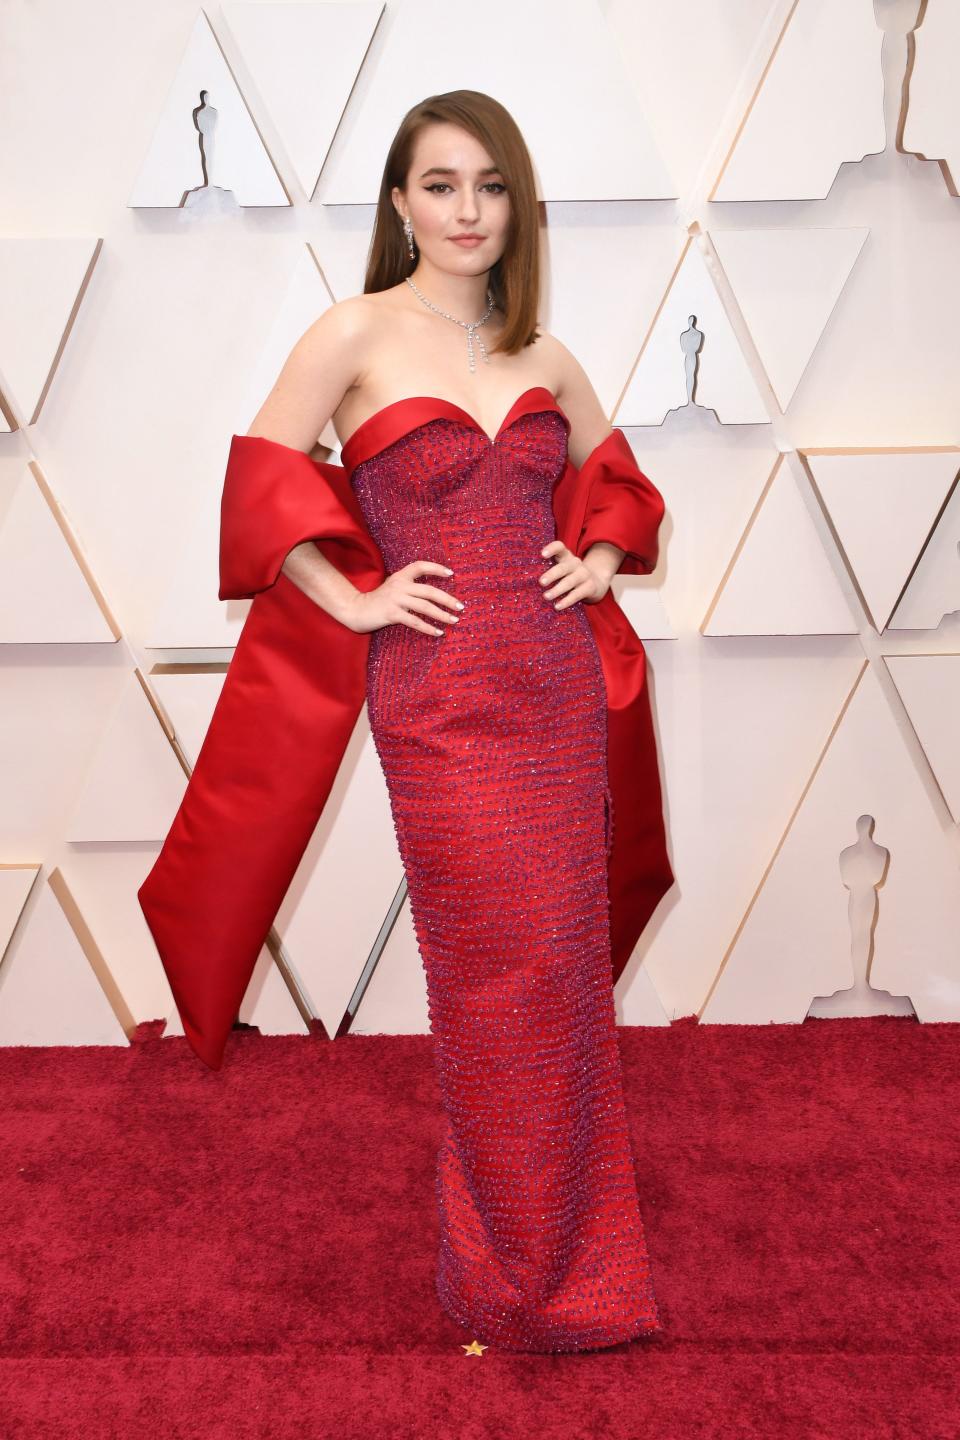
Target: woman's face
pixel 454 188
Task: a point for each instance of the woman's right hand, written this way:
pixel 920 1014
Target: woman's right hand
pixel 401 600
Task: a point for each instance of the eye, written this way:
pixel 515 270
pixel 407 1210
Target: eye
pixel 496 185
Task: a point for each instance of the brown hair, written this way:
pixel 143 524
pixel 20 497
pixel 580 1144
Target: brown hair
pixel 515 278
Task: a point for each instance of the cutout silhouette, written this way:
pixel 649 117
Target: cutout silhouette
pixel 208 195
pixel 898 23
pixel 863 870
pixel 205 123
pixel 951 617
pixel 691 343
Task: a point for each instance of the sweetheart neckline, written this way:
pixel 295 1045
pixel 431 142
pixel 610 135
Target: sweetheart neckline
pixel 471 420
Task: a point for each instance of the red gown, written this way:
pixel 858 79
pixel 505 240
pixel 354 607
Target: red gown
pixel 519 755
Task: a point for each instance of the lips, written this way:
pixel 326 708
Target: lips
pixel 467 239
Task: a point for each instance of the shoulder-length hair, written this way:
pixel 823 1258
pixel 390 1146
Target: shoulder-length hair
pixel 515 277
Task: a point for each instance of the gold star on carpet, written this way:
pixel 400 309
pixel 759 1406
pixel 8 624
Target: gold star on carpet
pixel 474 1348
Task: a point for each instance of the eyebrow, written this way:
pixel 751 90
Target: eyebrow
pixel 451 170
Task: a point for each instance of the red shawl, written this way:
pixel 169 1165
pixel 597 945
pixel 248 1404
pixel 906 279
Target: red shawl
pixel 295 688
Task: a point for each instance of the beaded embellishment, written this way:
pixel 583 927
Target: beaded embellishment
pixel 492 738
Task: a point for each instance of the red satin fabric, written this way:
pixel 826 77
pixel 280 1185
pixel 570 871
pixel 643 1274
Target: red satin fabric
pixel 296 686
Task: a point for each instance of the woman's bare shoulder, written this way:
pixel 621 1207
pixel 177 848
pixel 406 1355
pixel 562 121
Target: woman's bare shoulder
pixel 575 395
pixel 557 359
pixel 351 319
pixel 327 360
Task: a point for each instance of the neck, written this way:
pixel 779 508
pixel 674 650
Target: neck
pixel 464 296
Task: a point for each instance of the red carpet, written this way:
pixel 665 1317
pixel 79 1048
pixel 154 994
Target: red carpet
pixel 250 1253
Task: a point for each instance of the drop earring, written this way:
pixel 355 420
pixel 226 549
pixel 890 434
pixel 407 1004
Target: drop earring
pixel 408 231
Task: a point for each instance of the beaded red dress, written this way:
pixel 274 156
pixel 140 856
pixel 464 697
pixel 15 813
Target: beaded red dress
pixel 493 742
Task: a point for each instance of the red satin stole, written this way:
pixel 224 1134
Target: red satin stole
pixel 295 688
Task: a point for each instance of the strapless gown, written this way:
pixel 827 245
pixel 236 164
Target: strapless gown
pixel 492 739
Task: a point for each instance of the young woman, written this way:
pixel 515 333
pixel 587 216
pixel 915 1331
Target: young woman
pixel 471 442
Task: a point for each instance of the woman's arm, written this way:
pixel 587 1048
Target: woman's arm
pixel 625 508
pixel 577 399
pixel 281 509
pixel 323 365
pixel 589 428
pixel 321 581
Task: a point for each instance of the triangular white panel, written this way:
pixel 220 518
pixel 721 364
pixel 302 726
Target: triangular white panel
pixel 780 581
pixel 675 357
pixel 192 614
pixel 646 1007
pixel 929 687
pixel 15 885
pixel 189 699
pixel 343 887
pixel 934 588
pixel 739 725
pixel 305 300
pixel 787 283
pixel 710 490
pixel 528 56
pixel 236 158
pixel 97 888
pixel 394 1000
pixel 931 128
pixel 820 104
pixel 883 507
pixel 282 45
pixel 42 279
pixel 268 1004
pixel 630 265
pixel 135 783
pixel 49 995
pixel 795 942
pixel 641 602
pixel 44 594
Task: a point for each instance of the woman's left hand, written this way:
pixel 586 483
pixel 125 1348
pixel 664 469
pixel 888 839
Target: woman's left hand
pixel 570 577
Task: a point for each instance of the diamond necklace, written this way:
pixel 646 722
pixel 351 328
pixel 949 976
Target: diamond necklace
pixel 470 327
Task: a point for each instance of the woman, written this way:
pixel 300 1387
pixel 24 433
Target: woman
pixel 488 704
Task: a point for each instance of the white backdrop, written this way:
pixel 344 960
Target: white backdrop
pixel 752 230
